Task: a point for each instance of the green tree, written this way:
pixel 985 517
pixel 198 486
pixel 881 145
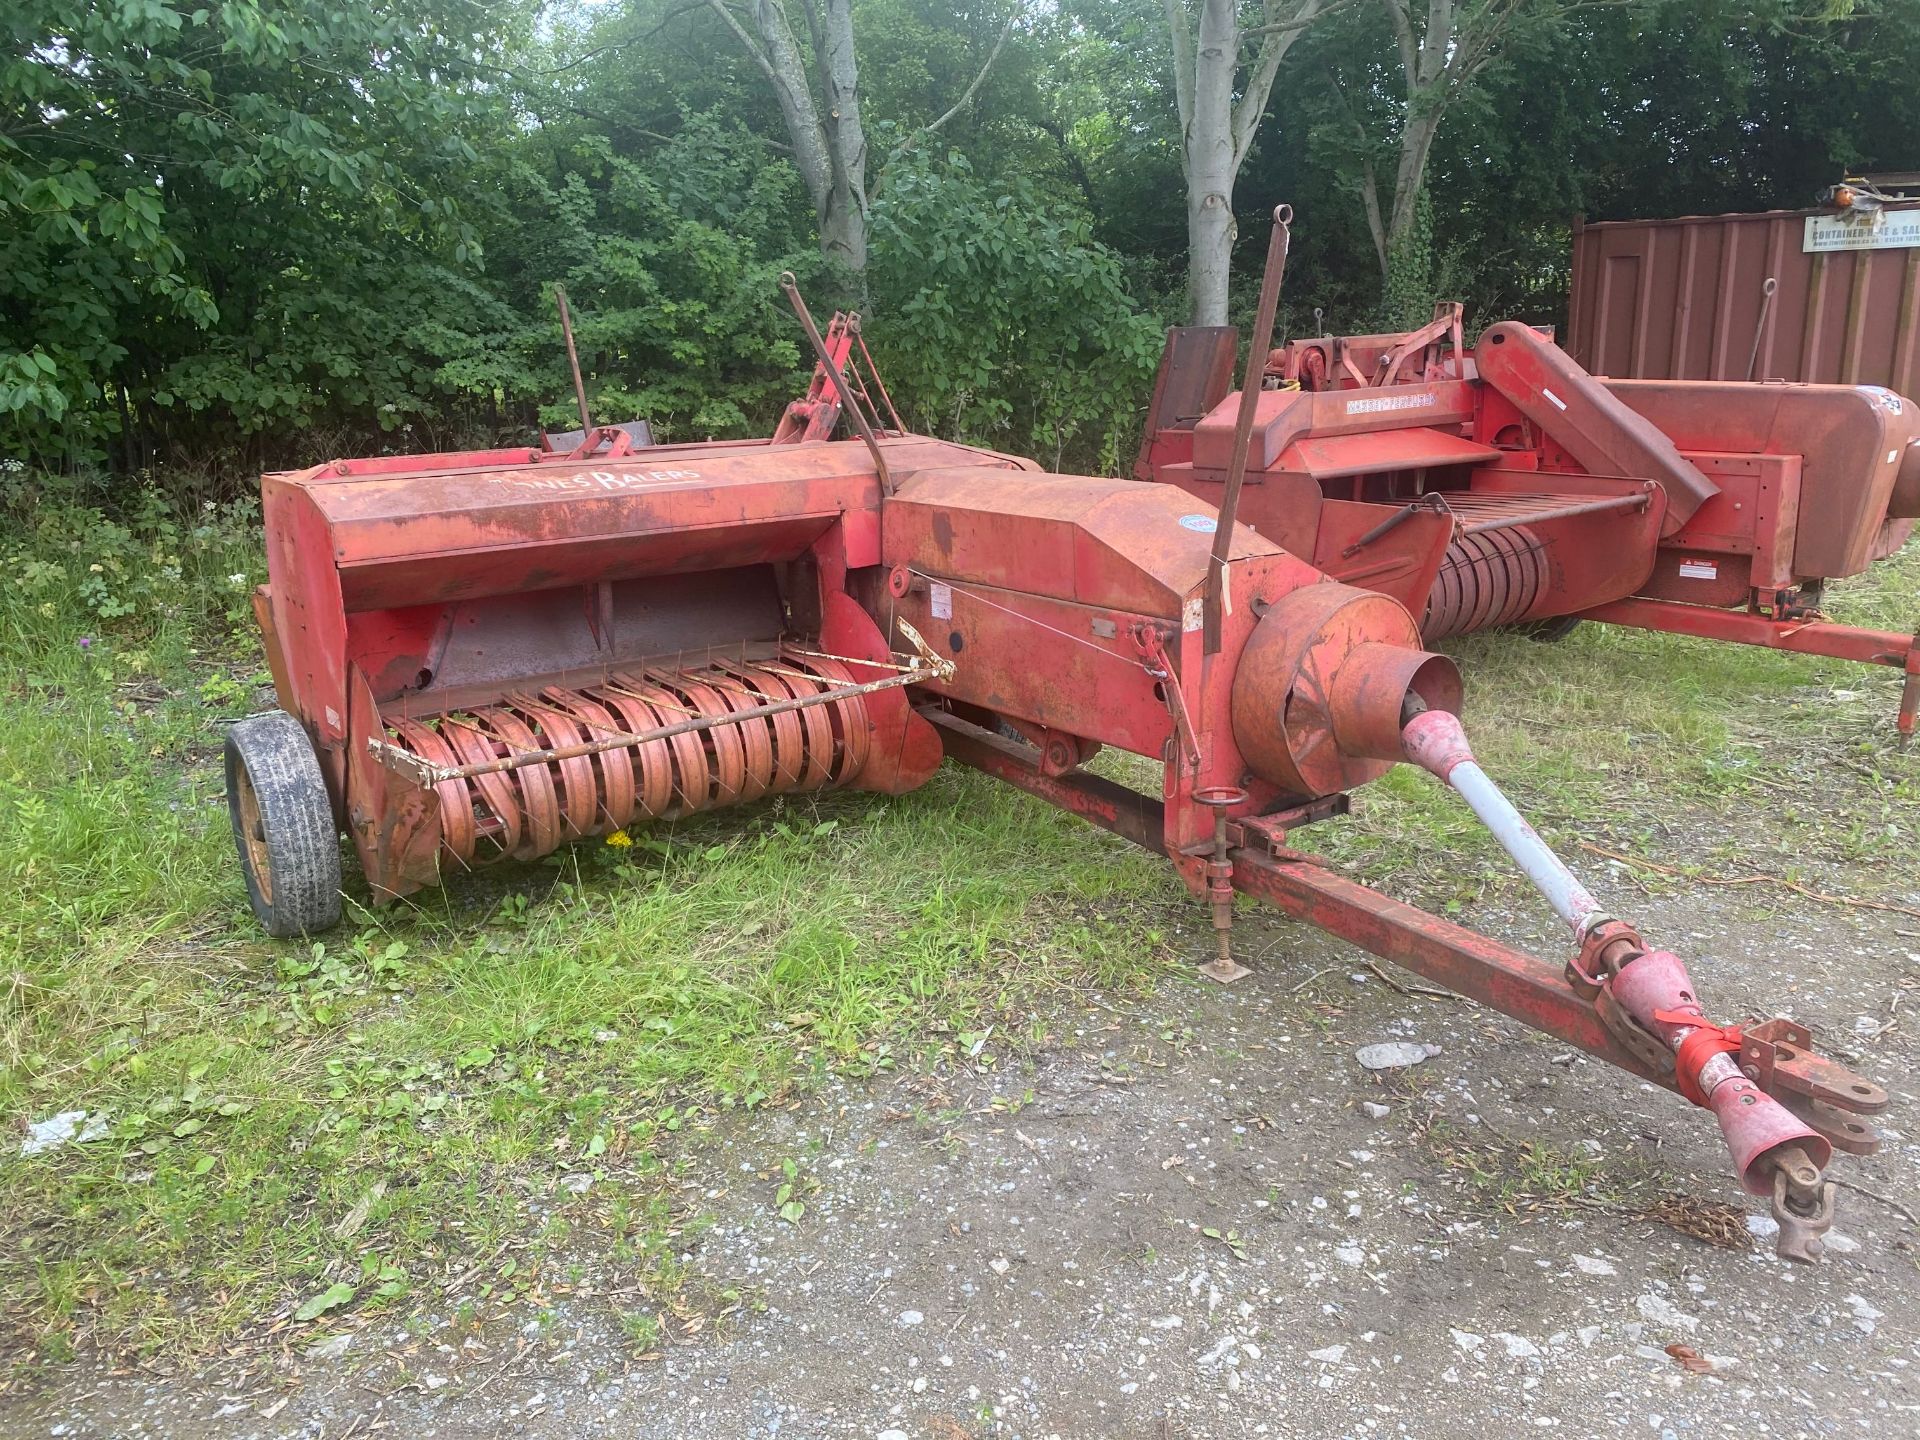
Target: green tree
pixel 1004 321
pixel 227 218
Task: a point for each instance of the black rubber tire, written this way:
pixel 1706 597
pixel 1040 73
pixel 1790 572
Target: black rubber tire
pixel 1549 632
pixel 283 826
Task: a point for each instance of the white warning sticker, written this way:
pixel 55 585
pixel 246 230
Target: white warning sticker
pixel 1193 614
pixel 1699 570
pixel 1554 399
pixel 941 597
pixel 612 480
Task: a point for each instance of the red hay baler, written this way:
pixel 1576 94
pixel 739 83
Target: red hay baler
pixel 1503 484
pixel 482 656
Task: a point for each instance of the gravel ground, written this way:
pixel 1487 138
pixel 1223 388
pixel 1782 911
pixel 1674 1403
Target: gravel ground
pixel 1201 1217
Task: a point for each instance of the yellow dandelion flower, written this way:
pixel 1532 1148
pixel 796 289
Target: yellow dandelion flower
pixel 620 840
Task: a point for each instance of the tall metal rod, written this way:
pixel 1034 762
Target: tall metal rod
pixel 573 359
pixel 1760 325
pixel 853 324
pixel 840 389
pixel 1243 424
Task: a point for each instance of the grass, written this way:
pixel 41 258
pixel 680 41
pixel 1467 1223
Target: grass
pixel 301 1133
pixel 474 1103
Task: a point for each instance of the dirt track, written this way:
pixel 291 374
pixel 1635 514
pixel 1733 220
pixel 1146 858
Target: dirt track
pixel 1044 1266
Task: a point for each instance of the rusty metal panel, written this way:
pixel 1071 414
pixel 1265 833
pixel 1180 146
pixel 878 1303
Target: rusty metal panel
pixel 1196 372
pixel 1684 300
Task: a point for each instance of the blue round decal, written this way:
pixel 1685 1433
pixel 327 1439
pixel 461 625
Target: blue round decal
pixel 1205 524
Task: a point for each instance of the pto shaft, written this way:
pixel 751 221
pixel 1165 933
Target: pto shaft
pixel 1773 1152
pixel 1435 741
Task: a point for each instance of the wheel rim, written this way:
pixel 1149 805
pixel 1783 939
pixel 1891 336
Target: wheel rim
pixel 252 831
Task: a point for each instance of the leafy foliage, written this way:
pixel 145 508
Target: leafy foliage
pixel 671 264
pixel 1001 317
pixel 242 233
pixel 223 218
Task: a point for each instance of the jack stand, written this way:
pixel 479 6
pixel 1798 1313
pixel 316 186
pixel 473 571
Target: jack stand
pixel 1220 799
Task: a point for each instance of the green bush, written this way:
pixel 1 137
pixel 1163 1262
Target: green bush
pixel 998 318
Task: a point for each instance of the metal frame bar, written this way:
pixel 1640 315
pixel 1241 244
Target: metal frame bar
pixel 1802 637
pixel 1470 964
pixel 1473 965
pixel 1108 804
pixel 1799 637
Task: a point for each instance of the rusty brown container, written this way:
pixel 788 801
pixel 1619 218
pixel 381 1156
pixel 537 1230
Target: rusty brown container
pixel 1685 299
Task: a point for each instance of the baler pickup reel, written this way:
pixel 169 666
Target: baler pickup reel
pixel 922 666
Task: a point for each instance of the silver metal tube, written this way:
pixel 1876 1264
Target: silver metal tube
pixel 1571 900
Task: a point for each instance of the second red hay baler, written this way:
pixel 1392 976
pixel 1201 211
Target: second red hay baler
pixel 482 656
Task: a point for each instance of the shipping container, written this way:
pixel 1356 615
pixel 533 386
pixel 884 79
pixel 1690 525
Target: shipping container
pixel 1688 299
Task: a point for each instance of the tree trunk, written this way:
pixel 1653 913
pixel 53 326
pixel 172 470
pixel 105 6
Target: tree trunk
pixel 1417 135
pixel 1210 163
pixel 843 222
pixel 830 145
pixel 1210 235
pixel 1220 111
pixel 1439 59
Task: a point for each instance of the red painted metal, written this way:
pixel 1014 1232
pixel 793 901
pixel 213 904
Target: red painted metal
pixel 1321 684
pixel 1506 484
pixel 1465 961
pixel 502 652
pixel 1094 798
pixel 1601 433
pixel 1243 426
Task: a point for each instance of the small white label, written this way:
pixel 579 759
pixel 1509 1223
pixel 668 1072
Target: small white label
pixel 942 598
pixel 1193 614
pixel 1205 524
pixel 1699 570
pixel 1376 404
pixel 1879 230
pixel 1553 399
